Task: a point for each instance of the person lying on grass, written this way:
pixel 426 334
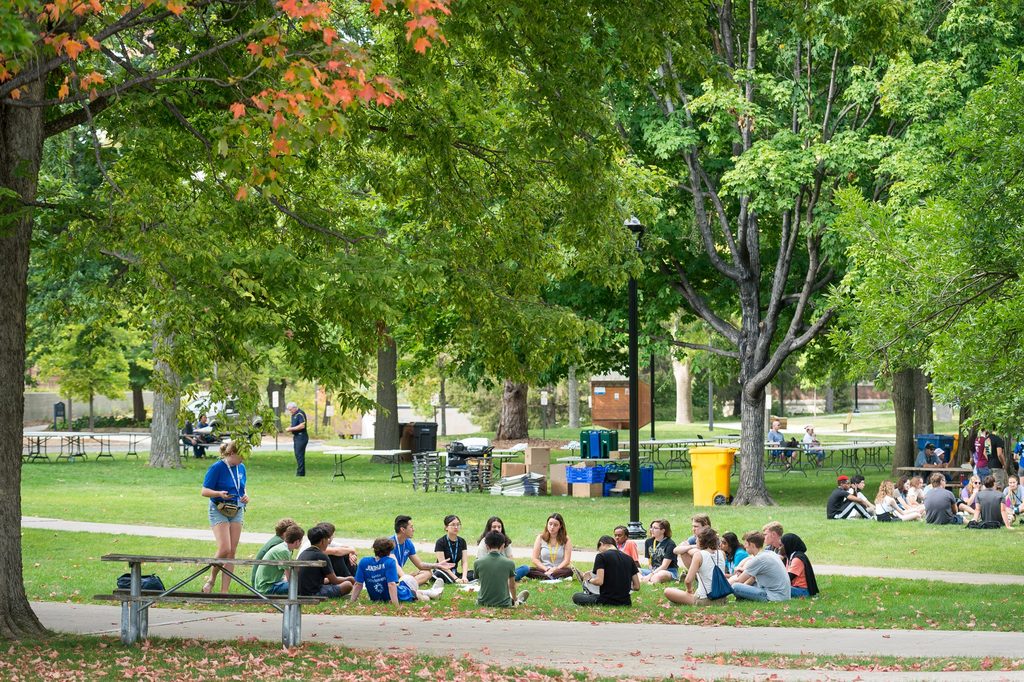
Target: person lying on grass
pixel 274 579
pixel 699 575
pixel 614 575
pixel 496 574
pixel 379 574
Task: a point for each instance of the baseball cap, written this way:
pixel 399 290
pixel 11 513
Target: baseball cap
pixel 939 452
pixel 842 479
pixel 929 446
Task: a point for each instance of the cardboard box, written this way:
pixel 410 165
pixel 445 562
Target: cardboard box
pixel 618 454
pixel 537 456
pixel 537 468
pixel 586 464
pixel 588 489
pixel 512 469
pixel 556 480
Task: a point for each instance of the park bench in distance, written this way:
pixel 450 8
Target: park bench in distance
pixel 135 602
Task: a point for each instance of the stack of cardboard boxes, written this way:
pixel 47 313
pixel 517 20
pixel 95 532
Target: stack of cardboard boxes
pixel 537 461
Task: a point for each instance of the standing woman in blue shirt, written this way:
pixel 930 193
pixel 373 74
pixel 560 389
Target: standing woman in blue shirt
pixel 224 485
pixel 300 437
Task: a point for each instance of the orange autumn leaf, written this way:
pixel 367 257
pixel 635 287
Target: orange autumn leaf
pixel 376 6
pixel 279 146
pixel 421 45
pixel 73 48
pixel 175 8
pixel 329 35
pixel 238 109
pixel 63 91
pixel 277 121
pixel 242 193
pixel 92 43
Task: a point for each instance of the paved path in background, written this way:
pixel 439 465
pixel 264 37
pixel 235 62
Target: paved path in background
pixel 524 552
pixel 614 649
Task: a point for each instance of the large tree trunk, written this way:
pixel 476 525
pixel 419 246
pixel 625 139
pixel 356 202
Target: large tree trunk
pixel 92 411
pixel 386 435
pixel 165 451
pixel 513 423
pixel 573 389
pixel 138 404
pixel 903 404
pixel 682 371
pixel 21 147
pixel 752 489
pixel 924 418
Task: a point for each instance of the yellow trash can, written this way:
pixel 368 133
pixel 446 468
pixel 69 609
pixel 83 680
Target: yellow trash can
pixel 711 467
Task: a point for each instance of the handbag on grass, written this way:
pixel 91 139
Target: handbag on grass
pixel 149 582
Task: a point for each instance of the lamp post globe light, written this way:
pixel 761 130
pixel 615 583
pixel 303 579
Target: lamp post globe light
pixel 635 528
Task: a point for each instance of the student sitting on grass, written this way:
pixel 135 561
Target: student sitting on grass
pixel 552 551
pixel 496 524
pixel 733 551
pixel 614 575
pixel 940 505
pixel 687 550
pixel 763 576
pixel 844 503
pixel 625 545
pixel 773 533
pixel 379 574
pixel 279 528
pixel 320 581
pixel 969 496
pixel 343 558
pixel 887 509
pixel 496 574
pixel 698 576
pixel 991 512
pixel 451 548
pixel 798 566
pixel 660 549
pixel 274 579
pixel 1014 498
pixel 405 550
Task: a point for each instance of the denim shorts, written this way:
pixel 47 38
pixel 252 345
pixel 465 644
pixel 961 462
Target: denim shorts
pixel 216 517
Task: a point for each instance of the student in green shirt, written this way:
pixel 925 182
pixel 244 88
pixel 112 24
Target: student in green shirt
pixel 279 528
pixel 497 575
pixel 274 579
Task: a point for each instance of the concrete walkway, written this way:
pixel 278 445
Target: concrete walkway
pixel 579 556
pixel 613 649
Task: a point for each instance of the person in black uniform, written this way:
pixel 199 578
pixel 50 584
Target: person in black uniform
pixel 300 437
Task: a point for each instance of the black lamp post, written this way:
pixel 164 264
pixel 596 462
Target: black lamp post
pixel 635 528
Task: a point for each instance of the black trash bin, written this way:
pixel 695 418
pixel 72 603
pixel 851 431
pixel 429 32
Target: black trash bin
pixel 423 436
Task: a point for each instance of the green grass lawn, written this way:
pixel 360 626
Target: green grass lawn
pixel 365 504
pixel 65 566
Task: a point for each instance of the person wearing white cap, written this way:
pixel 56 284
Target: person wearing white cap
pixel 812 446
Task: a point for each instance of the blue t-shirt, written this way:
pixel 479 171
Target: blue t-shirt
pixel 776 437
pixel 299 418
pixel 222 477
pixel 402 552
pixel 740 555
pixel 374 575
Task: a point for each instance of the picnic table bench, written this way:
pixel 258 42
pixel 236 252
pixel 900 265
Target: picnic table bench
pixel 135 601
pixel 948 472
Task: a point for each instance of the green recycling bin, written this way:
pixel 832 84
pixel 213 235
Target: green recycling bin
pixel 711 467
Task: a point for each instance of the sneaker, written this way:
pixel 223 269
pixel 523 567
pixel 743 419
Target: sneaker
pixel 522 597
pixel 438 585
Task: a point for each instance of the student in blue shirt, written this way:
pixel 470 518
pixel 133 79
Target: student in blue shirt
pixel 379 574
pixel 405 550
pixel 224 485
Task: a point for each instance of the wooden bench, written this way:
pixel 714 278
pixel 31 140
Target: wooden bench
pixel 135 601
pixel 846 422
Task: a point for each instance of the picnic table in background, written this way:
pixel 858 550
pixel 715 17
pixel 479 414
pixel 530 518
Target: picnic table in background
pixel 72 445
pixel 342 455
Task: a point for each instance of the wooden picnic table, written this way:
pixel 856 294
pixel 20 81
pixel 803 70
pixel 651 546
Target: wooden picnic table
pixel 949 472
pixel 135 604
pixel 342 455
